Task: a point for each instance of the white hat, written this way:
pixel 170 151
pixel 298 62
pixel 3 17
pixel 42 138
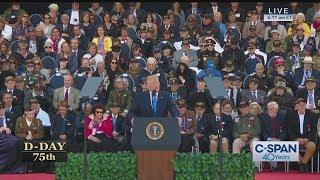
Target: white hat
pixel 274 31
pixel 307 60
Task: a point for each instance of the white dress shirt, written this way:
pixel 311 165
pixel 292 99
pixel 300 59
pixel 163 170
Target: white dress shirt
pixel 214 9
pixel 64 91
pixel 4 121
pixel 308 100
pixel 74 19
pixel 301 120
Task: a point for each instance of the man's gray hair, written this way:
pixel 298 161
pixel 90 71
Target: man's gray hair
pixel 273 104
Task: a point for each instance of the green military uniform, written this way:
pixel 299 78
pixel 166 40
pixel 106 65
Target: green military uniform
pixel 247 124
pixel 22 128
pixel 122 97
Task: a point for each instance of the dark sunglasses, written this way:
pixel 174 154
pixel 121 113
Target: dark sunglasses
pixel 36 63
pixel 114 62
pixel 12 63
pixel 48 47
pixel 99 112
pixel 203 45
pixel 156 52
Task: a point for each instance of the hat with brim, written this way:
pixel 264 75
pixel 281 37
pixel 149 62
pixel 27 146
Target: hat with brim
pixel 181 103
pixel 307 60
pixel 200 104
pixel 310 79
pixel 244 103
pixel 299 100
pixel 281 84
pixel 114 104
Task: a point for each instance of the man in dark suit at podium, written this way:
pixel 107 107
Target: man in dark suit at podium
pixel 153 103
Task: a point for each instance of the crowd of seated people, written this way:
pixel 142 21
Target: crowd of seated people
pixel 270 71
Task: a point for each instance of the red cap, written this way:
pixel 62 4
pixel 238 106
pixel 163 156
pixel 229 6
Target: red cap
pixel 279 61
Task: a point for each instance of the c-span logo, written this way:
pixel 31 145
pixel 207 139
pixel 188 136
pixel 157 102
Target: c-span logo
pixel 154 131
pixel 276 151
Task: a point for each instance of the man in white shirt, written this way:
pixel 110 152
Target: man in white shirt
pixel 74 13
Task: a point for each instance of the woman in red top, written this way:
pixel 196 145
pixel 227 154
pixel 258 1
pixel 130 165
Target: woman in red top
pixel 99 131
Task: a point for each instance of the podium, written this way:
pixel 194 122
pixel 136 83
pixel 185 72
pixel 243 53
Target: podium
pixel 155 141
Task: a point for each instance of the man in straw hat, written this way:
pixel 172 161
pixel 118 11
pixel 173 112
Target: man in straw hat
pixel 302 73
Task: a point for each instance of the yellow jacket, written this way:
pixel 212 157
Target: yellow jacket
pixel 306 29
pixel 107 43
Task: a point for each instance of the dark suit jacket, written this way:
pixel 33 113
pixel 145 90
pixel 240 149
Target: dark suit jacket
pixel 75 64
pixel 60 126
pixel 201 124
pixel 121 123
pixel 83 45
pixel 204 97
pixel 303 93
pixel 280 131
pixel 141 106
pixel 11 123
pixel 225 127
pixel 14 113
pixel 18 96
pixel 68 30
pixel 235 96
pixel 299 73
pixel 309 125
pixel 261 96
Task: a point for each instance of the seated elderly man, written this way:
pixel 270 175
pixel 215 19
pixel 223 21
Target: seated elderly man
pixel 67 93
pixel 121 96
pixel 273 126
pixel 219 125
pixel 246 130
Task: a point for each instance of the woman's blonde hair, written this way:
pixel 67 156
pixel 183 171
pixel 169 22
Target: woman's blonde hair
pixel 257 105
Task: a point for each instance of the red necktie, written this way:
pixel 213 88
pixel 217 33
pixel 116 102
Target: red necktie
pixel 66 95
